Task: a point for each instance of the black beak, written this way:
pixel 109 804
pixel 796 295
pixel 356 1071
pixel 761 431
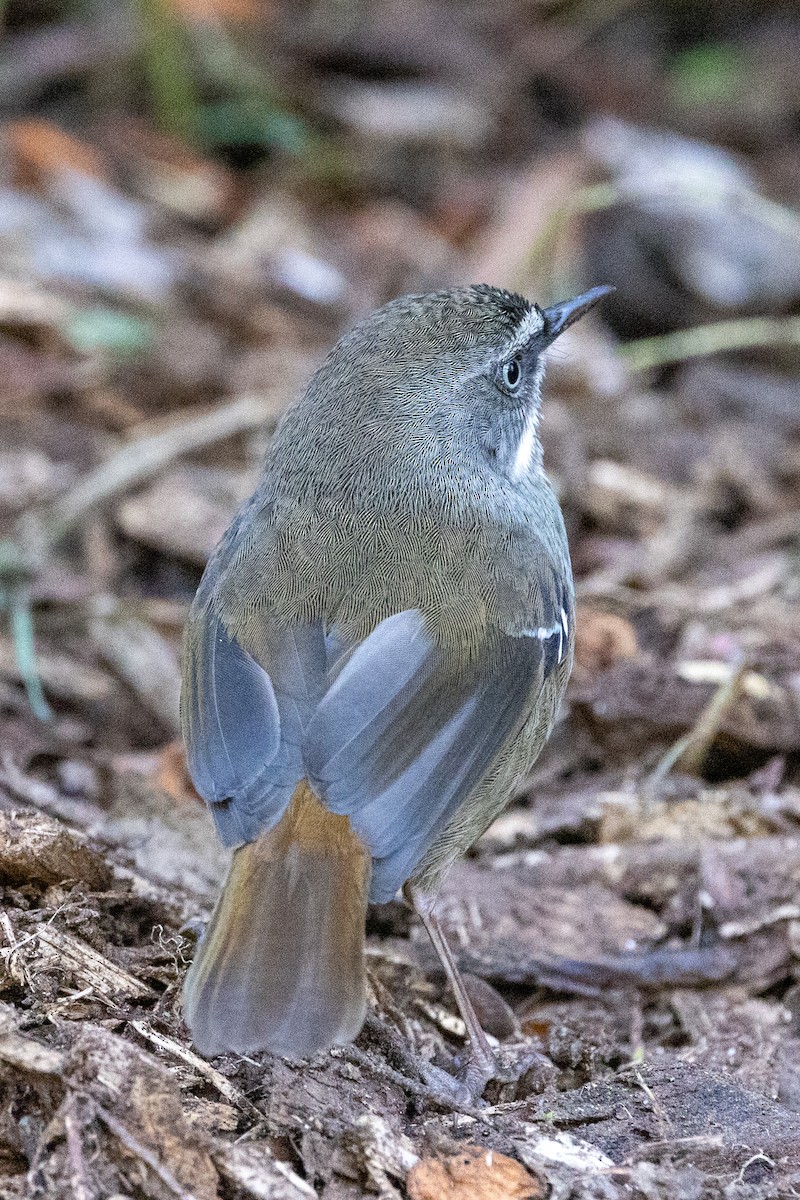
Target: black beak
pixel 561 316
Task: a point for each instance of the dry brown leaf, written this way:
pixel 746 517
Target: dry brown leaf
pixel 169 171
pixel 172 775
pixel 601 638
pixel 244 11
pixel 473 1174
pixel 38 149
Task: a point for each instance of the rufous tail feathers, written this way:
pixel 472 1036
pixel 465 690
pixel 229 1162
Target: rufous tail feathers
pixel 281 967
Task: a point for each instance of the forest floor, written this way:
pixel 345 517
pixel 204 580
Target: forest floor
pixel 632 923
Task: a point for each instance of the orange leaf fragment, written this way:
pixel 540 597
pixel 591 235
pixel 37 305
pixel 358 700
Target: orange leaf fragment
pixel 172 775
pixel 475 1173
pixel 601 638
pixel 245 12
pixel 38 149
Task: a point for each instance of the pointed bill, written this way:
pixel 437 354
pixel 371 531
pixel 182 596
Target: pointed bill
pixel 560 316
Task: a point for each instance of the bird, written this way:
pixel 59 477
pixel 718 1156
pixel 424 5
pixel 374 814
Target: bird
pixel 374 658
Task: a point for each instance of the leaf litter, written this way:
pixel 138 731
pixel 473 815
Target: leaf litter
pixel 631 925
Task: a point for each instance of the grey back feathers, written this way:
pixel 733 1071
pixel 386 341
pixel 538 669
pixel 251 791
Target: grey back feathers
pixel 387 607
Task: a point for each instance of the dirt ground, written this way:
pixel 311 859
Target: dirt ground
pixel 172 267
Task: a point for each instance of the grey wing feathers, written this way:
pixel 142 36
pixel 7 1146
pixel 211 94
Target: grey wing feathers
pixel 398 743
pixel 243 727
pixel 385 731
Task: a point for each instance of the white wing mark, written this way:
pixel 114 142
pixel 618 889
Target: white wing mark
pixel 543 633
pixel 563 634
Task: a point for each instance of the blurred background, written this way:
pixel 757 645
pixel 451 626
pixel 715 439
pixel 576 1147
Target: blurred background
pixel 197 197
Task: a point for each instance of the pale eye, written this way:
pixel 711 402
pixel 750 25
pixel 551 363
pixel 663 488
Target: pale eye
pixel 512 374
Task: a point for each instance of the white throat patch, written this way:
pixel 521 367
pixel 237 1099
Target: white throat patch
pixel 528 447
pixel 527 443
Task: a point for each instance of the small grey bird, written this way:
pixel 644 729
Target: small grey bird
pixel 374 657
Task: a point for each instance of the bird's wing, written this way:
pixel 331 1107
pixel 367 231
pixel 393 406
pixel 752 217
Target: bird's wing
pixel 385 730
pixel 399 741
pixel 243 725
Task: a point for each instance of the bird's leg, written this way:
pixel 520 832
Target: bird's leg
pixel 482 1065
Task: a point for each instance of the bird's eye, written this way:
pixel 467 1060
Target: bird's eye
pixel 512 374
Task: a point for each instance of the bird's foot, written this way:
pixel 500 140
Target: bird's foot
pixel 511 1069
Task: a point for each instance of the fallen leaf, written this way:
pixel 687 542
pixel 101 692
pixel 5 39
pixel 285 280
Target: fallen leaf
pixel 601 638
pixel 172 775
pixel 38 149
pixel 473 1174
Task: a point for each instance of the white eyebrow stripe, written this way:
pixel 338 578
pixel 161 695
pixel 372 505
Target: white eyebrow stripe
pixel 531 324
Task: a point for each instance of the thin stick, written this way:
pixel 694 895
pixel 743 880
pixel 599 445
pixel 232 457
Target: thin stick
pixel 223 1085
pixel 81 1189
pixel 711 339
pixel 140 1151
pixel 693 747
pixel 146 455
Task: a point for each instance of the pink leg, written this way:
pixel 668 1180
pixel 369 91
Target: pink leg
pixel 482 1064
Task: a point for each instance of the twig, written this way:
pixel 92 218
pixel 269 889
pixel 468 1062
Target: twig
pixel 737 929
pixel 754 1158
pixel 659 1112
pixel 636 1028
pixel 79 1179
pixel 145 456
pixel 680 1145
pixel 15 962
pixel 692 748
pixel 141 1152
pixel 214 1077
pixel 710 339
pixel 17 599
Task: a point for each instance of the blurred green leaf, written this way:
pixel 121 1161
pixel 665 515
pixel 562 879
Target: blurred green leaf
pixel 241 123
pixel 710 74
pixel 106 329
pixel 168 63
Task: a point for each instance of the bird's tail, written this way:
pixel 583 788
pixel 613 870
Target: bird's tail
pixel 281 967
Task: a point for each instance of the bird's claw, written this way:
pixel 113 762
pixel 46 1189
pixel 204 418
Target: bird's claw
pixel 506 1069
